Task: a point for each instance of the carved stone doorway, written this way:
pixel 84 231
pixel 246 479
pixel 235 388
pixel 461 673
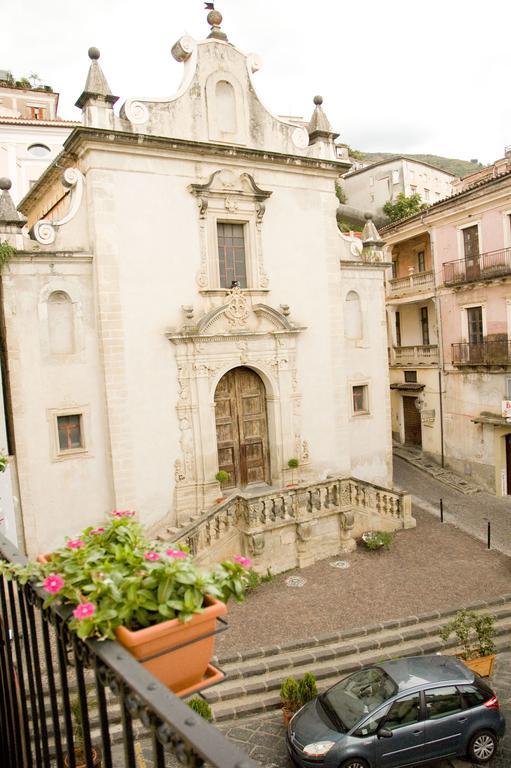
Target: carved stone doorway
pixel 242 428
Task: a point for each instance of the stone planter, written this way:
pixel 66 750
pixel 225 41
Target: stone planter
pixel 178 653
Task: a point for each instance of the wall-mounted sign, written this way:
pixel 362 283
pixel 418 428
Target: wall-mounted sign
pixel 506 409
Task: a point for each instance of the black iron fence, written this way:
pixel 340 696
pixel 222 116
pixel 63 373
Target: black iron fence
pixel 483 266
pixel 494 352
pixel 61 697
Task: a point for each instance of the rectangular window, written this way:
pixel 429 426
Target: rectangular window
pixel 231 255
pixel 425 326
pixel 371 181
pixel 37 113
pixel 69 430
pixel 411 377
pixel 426 194
pixel 507 392
pixel 398 329
pixel 413 189
pixel 360 400
pixel 475 325
pixel 395 264
pixel 395 177
pixel 421 261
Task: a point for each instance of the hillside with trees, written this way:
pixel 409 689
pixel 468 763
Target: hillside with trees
pixel 451 165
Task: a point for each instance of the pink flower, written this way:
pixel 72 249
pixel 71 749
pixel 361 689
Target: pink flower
pixel 97 531
pixel 152 556
pixel 74 543
pixel 122 513
pixel 53 583
pixel 246 562
pixel 176 553
pixel 84 610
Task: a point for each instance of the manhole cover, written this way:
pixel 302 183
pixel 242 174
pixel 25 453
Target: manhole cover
pixel 295 581
pixel 340 564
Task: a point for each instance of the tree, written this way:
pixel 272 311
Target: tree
pixel 404 206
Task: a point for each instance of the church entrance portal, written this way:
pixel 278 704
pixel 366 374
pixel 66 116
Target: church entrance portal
pixel 242 428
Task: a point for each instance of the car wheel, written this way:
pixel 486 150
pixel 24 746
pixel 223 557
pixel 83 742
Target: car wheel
pixel 354 762
pixel 482 746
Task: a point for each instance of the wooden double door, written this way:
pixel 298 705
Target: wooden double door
pixel 242 428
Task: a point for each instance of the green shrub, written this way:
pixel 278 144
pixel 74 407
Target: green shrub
pixel 200 706
pixel 307 688
pixel 474 633
pixel 293 463
pixel 377 539
pixel 290 694
pixel 222 476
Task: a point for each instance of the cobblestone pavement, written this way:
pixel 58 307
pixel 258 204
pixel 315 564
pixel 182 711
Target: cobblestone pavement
pixel 468 513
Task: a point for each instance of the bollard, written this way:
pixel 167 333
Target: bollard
pixel 489 535
pixel 441 510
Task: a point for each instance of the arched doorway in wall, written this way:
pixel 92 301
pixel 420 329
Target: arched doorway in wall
pixel 242 428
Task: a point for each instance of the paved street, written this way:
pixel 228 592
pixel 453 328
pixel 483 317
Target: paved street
pixel 469 513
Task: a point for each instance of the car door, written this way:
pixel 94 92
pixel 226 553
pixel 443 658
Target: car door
pixel 445 721
pixel 406 745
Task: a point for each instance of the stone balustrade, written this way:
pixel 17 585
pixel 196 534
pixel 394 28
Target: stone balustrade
pixel 298 525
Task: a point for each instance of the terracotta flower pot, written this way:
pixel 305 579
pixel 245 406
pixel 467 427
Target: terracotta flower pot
pixel 483 665
pixel 43 558
pixel 287 715
pixel 162 651
pixel 81 761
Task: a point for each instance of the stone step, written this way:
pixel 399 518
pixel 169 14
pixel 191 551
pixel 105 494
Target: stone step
pixel 254 676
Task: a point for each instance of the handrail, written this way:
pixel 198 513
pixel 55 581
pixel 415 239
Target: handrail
pixel 482 266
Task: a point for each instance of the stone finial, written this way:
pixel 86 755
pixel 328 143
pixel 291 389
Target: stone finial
pixel 370 235
pixel 214 20
pixel 9 216
pixel 96 87
pixel 319 127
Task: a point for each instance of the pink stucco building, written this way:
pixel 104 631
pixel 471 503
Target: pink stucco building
pixel 449 312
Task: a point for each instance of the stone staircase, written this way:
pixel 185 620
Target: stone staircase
pixel 254 676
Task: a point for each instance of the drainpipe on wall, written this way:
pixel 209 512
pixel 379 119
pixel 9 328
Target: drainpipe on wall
pixel 441 367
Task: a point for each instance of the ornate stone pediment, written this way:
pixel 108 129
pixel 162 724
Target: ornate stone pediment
pixel 235 191
pixel 236 315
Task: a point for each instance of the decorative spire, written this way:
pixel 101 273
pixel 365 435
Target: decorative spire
pixel 214 20
pixel 319 127
pixel 8 214
pixel 96 86
pixel 370 235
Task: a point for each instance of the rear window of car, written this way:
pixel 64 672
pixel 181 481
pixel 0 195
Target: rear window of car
pixel 474 695
pixel 359 695
pixel 444 701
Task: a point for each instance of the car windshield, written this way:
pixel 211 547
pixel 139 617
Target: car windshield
pixel 359 695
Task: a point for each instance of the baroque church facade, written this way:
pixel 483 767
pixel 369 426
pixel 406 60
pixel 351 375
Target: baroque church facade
pixel 181 302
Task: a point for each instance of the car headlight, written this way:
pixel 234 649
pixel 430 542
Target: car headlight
pixel 318 748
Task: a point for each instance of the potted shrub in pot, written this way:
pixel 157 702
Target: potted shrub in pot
pixel 377 540
pixel 148 597
pixel 293 464
pixel 475 635
pixel 294 694
pixel 221 477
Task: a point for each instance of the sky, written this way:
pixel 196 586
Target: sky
pixel 396 76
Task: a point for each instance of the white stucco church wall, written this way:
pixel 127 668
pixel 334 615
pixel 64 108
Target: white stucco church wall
pixel 128 254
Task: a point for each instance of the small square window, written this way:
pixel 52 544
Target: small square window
pixel 360 399
pixel 70 433
pixel 411 377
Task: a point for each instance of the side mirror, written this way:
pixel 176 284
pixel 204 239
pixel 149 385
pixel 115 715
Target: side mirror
pixel 385 733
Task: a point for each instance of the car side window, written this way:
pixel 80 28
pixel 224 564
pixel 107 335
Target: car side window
pixel 371 726
pixel 441 702
pixel 404 711
pixel 474 696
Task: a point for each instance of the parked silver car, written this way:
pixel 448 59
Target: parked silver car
pixel 398 713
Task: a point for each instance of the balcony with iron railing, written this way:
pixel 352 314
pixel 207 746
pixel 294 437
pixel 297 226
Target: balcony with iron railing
pixel 484 266
pixel 417 354
pixel 414 283
pixel 485 353
pixel 58 692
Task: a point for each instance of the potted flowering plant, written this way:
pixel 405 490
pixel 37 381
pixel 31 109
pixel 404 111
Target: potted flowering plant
pixel 123 587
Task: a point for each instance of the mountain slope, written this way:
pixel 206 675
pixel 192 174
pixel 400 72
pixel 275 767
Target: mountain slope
pixel 451 165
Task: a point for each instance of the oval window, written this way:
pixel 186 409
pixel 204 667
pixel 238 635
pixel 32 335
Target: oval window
pixel 39 150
